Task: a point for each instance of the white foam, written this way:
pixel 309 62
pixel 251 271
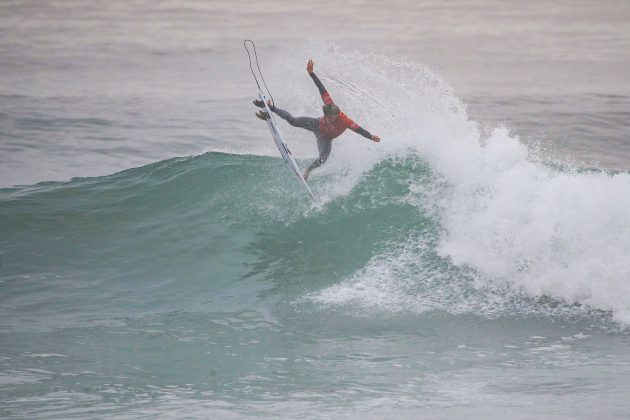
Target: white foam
pixel 563 235
pixel 411 278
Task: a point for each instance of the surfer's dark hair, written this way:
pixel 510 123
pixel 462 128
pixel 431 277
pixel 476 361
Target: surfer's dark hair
pixel 331 109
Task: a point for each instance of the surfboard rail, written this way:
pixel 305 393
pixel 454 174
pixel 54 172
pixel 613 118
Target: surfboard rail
pixel 283 148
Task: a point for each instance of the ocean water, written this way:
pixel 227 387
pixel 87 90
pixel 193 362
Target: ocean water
pixel 158 260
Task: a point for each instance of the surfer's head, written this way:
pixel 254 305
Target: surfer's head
pixel 331 111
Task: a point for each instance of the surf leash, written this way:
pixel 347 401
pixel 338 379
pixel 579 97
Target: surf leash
pixel 257 66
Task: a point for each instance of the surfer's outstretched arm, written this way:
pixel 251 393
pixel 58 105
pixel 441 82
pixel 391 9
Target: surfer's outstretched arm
pixel 357 128
pixel 322 90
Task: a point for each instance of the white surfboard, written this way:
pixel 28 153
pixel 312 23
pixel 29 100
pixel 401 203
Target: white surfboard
pixel 282 147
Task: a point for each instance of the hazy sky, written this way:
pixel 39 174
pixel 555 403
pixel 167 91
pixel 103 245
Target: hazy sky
pixel 479 46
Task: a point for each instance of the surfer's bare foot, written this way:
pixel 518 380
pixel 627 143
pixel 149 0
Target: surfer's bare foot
pixel 262 115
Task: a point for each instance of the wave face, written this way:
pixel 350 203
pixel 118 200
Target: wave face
pixel 489 236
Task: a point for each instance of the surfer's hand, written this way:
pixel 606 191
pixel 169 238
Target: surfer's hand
pixel 376 138
pixel 309 66
pixel 270 103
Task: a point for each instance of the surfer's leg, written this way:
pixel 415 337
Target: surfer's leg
pixel 325 146
pixel 306 123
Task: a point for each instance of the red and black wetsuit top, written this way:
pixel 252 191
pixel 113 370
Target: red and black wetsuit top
pixel 334 129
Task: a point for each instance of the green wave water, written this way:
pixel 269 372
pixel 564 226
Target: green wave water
pixel 173 234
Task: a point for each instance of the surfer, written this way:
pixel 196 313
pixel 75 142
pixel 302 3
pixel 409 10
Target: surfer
pixel 331 125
